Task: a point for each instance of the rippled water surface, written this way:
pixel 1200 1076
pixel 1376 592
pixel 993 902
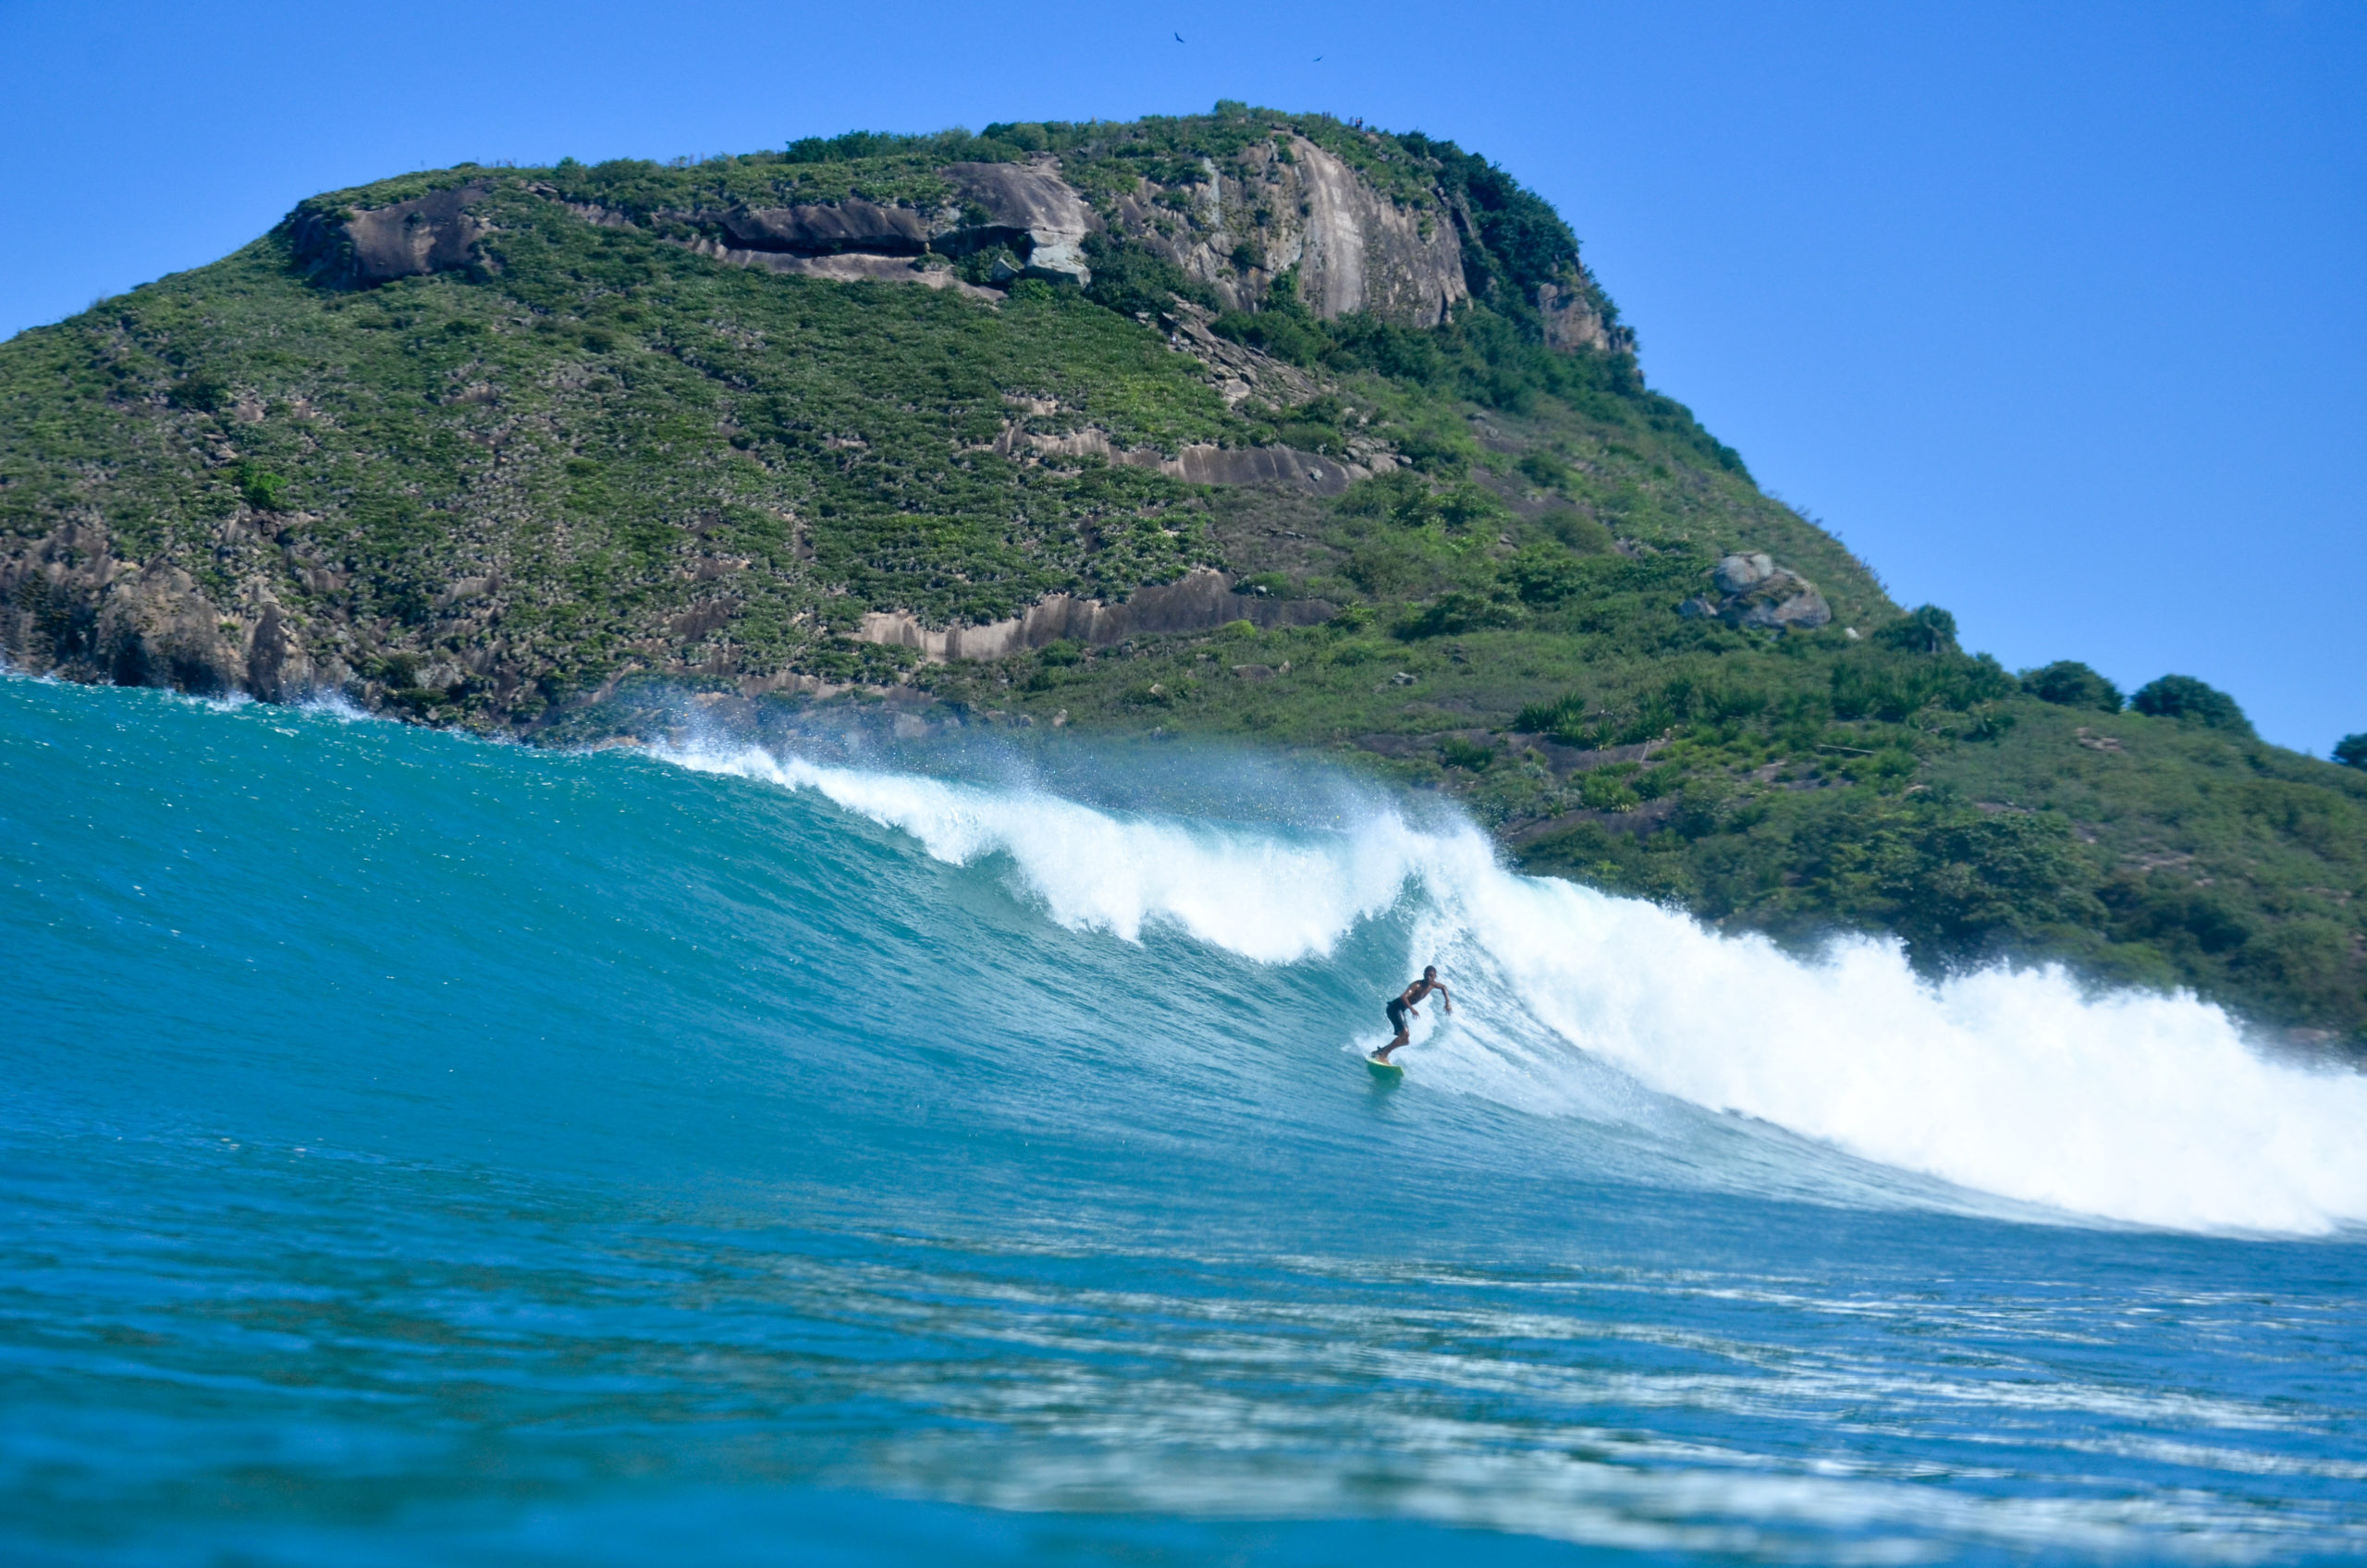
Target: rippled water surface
pixel 419 1150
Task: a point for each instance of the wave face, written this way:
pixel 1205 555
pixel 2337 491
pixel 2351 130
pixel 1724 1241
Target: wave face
pixel 2139 1107
pixel 423 1150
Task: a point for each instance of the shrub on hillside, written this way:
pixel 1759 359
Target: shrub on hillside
pixel 1543 576
pixel 265 492
pixel 1454 613
pixel 1433 450
pixel 1545 470
pixel 1135 280
pixel 201 390
pixel 1577 530
pixel 2068 683
pixel 1410 502
pixel 1608 789
pixel 1872 684
pixel 1961 887
pixel 1926 629
pixel 1971 887
pixel 2184 698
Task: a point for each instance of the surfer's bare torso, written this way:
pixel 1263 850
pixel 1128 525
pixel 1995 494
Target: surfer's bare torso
pixel 1402 1008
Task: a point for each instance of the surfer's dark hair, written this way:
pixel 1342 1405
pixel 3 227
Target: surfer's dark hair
pixel 1429 969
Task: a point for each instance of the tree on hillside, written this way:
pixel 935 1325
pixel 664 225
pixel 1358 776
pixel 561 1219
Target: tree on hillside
pixel 2184 698
pixel 2068 683
pixel 2351 751
pixel 1926 629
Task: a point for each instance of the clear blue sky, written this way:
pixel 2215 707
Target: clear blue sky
pixel 2056 312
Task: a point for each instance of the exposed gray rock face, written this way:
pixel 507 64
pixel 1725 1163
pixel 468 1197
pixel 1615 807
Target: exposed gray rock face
pixel 829 230
pixel 1753 591
pixel 1362 252
pixel 853 266
pixel 277 668
pixel 430 233
pixel 50 595
pixel 1355 249
pixel 1572 322
pixel 1263 465
pixel 70 606
pixel 1238 370
pixel 1031 210
pixel 1199 601
pixel 158 629
pixel 1802 607
pixel 1025 209
pixel 1202 463
pixel 1740 574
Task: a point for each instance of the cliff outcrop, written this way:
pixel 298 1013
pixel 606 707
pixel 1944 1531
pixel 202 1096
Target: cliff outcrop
pixel 1289 207
pixel 830 229
pixel 1280 214
pixel 1024 210
pixel 85 612
pixel 365 246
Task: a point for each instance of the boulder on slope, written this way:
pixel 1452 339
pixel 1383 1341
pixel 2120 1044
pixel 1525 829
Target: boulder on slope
pixel 1751 590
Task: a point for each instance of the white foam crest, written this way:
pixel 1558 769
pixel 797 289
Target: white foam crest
pixel 2127 1106
pixel 2130 1106
pixel 1260 896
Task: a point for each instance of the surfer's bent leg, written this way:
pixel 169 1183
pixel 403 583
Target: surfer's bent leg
pixel 1396 1010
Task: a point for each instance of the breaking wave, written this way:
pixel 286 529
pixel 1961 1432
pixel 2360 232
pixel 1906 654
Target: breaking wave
pixel 2130 1106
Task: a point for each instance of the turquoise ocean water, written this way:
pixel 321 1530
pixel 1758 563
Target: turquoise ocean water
pixel 419 1150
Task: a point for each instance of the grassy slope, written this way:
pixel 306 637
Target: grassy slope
pixel 616 430
pixel 604 454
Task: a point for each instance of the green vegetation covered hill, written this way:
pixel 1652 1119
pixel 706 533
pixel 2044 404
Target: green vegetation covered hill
pixel 500 448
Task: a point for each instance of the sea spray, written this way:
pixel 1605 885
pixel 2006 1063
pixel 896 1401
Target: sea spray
pixel 2126 1105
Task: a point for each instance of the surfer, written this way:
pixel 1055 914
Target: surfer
pixel 1402 1007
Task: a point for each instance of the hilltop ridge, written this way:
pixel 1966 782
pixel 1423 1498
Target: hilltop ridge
pixel 1245 424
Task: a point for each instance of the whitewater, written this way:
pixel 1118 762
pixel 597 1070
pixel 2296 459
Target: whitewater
pixel 417 1149
pixel 2124 1106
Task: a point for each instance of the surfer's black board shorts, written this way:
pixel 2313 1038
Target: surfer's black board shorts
pixel 1397 1014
